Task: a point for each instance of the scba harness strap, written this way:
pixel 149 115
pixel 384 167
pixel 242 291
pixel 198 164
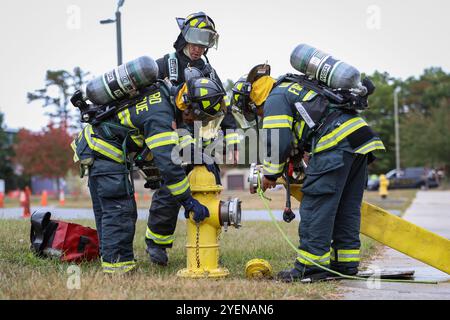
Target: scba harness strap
pixel 173 67
pixel 172 63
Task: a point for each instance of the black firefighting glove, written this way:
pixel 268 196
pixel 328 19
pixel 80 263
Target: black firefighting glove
pixel 200 211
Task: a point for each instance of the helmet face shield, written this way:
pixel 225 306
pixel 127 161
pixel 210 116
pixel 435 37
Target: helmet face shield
pixel 244 121
pixel 202 37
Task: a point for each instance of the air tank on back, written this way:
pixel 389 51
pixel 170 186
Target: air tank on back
pixel 328 70
pixel 122 82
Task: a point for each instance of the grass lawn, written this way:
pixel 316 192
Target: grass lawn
pixel 24 276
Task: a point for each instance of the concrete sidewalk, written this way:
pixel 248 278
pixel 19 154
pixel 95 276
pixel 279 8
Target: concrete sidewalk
pixel 430 210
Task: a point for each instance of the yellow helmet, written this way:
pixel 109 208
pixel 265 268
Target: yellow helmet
pixel 242 89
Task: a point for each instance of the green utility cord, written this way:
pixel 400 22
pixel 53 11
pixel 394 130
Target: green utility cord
pixel 265 200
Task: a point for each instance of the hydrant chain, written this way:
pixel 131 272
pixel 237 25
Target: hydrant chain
pixel 197 248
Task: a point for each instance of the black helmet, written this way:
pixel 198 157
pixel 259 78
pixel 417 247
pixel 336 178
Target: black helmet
pixel 241 98
pixel 206 97
pixel 198 28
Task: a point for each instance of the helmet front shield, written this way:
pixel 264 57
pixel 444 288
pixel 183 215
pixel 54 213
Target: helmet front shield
pixel 245 121
pixel 202 37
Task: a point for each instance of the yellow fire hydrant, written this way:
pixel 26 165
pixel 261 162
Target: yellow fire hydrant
pixel 384 184
pixel 202 238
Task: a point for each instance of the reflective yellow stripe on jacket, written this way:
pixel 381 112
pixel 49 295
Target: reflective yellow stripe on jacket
pixel 273 168
pixel 102 147
pixel 374 144
pixel 74 148
pixel 299 128
pixel 125 120
pixel 277 122
pixel 159 238
pixel 231 138
pixel 184 141
pixel 337 135
pixel 179 188
pixel 162 139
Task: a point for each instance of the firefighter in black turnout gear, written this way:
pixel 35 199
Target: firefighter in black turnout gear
pixel 197 36
pixel 105 149
pixel 340 147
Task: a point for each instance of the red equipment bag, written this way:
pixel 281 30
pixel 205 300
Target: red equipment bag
pixel 69 242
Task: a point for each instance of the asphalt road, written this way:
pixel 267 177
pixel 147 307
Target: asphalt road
pixel 68 213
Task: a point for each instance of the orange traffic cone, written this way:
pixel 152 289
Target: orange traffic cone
pixel 2 200
pixel 44 197
pixel 62 198
pixel 25 203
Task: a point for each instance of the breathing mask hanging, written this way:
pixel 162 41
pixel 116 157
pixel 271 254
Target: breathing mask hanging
pixel 211 129
pixel 191 73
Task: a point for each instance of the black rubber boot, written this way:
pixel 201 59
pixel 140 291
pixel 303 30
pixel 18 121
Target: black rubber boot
pixel 345 270
pixel 158 255
pixel 292 275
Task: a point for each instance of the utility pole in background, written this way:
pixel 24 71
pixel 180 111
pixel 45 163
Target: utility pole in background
pixel 118 23
pixel 397 131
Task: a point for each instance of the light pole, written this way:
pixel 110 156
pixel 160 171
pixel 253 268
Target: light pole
pixel 118 23
pixel 397 131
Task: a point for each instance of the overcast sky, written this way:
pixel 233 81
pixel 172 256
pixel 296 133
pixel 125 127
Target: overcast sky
pixel 397 36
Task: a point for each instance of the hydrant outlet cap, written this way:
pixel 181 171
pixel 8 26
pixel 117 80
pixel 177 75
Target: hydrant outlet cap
pixel 258 269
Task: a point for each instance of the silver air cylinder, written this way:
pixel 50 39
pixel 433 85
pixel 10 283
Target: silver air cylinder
pixel 321 66
pixel 122 82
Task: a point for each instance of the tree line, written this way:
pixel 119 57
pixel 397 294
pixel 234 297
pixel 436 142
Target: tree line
pixel 424 119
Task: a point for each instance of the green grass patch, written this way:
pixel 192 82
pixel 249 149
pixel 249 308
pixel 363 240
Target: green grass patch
pixel 25 276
